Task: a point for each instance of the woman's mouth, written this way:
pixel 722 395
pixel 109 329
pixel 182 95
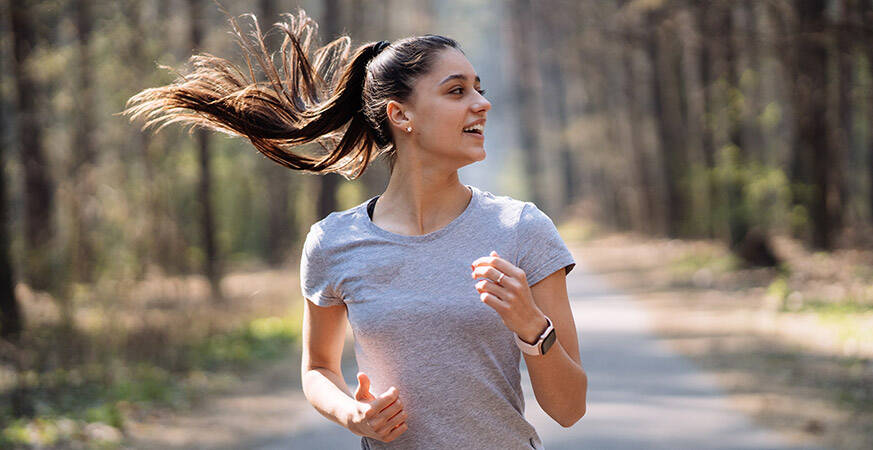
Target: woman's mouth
pixel 475 131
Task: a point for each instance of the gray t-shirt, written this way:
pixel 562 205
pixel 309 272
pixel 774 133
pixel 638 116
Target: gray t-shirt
pixel 418 322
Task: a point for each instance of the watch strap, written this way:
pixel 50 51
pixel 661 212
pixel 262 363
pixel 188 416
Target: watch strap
pixel 537 347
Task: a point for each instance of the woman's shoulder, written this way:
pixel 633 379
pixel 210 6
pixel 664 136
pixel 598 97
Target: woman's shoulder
pixel 342 218
pixel 507 208
pixel 336 226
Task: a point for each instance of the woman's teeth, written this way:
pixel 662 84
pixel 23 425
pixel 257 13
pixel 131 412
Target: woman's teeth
pixel 478 129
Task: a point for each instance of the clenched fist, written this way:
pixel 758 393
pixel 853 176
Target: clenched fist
pixel 379 417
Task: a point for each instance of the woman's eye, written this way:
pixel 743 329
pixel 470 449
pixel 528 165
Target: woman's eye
pixel 460 89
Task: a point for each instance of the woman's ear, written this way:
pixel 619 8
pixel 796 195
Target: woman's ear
pixel 397 115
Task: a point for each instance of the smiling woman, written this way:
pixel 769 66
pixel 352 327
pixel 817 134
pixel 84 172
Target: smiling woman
pixel 432 343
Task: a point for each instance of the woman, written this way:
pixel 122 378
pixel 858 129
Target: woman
pixel 437 368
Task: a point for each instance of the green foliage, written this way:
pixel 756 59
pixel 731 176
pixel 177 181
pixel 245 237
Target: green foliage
pixel 778 289
pixel 848 316
pixel 147 384
pixel 714 260
pixel 579 230
pixel 70 402
pixel 837 309
pixel 771 116
pixel 751 193
pixel 260 339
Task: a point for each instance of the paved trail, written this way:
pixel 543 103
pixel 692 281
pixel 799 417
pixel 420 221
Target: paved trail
pixel 642 395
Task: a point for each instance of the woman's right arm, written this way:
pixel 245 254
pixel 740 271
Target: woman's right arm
pixel 380 417
pixel 324 330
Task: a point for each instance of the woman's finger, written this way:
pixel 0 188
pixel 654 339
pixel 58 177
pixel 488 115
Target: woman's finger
pixel 387 414
pixel 499 291
pixel 396 432
pixel 500 264
pixel 492 301
pixel 398 418
pixel 488 272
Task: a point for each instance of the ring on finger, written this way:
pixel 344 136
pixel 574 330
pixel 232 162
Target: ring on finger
pixel 500 278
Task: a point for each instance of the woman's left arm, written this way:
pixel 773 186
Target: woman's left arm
pixel 559 382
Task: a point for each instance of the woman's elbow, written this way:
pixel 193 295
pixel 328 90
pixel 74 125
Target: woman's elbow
pixel 575 418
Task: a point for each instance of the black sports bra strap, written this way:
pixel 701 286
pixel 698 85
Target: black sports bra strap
pixel 371 206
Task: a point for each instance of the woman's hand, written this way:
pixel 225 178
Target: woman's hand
pixel 510 297
pixel 380 417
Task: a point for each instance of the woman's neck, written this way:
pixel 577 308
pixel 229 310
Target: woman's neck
pixel 420 202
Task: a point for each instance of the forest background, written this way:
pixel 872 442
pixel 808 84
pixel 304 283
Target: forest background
pixel 141 268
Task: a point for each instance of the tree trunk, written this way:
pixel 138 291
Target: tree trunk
pixel 738 213
pixel 527 87
pixel 842 136
pixel 329 29
pixel 84 152
pixel 207 225
pixel 554 91
pixel 753 135
pixel 868 18
pixel 280 223
pixel 667 113
pixel 132 11
pixel 640 166
pixel 707 125
pixel 11 319
pixel 39 230
pixel 811 147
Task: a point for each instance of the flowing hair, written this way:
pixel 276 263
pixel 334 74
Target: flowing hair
pixel 322 95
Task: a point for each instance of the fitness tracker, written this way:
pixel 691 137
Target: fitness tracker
pixel 542 345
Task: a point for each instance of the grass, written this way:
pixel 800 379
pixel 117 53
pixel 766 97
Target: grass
pixel 89 402
pixel 715 260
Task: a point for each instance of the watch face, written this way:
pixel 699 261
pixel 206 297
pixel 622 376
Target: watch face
pixel 548 341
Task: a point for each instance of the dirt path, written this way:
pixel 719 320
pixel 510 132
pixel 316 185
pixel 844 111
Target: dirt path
pixel 787 371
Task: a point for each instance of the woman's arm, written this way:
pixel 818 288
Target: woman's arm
pixel 324 330
pixel 559 382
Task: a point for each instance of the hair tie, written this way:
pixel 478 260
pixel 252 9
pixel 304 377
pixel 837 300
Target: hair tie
pixel 381 46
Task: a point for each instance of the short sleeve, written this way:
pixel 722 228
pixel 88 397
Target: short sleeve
pixel 316 281
pixel 541 251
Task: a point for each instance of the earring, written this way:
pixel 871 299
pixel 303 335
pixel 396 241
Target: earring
pixel 409 129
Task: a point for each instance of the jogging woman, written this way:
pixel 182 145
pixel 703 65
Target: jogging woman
pixel 444 285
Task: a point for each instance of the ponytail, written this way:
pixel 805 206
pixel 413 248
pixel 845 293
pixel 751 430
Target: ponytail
pixel 278 114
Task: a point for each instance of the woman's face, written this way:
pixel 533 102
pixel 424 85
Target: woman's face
pixel 444 102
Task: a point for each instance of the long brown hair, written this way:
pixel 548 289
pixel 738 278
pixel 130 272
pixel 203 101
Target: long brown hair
pixel 324 96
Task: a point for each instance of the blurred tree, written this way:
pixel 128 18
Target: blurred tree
pixel 11 320
pixel 667 109
pixel 329 29
pixel 83 165
pixel 139 60
pixel 212 263
pixel 554 88
pixel 708 58
pixel 527 86
pixel 867 18
pixel 39 229
pixel 813 157
pixel 280 232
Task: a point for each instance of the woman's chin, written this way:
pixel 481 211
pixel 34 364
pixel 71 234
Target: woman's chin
pixel 478 154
